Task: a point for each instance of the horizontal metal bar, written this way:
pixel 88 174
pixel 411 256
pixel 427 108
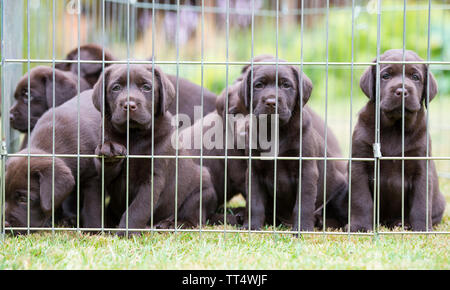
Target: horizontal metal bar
pixel 414 158
pixel 270 13
pixel 223 157
pixel 185 62
pixel 228 231
pixel 186 157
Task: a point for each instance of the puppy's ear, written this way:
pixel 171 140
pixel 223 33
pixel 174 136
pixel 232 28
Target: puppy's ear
pixel 99 93
pixel 433 90
pixel 235 105
pixel 368 81
pixel 63 66
pixel 92 69
pixel 66 87
pixel 166 91
pixel 244 91
pixel 64 182
pixel 306 85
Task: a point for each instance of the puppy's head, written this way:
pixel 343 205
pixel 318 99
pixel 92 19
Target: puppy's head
pixel 89 71
pixel 16 185
pixel 392 90
pixel 265 90
pixel 40 95
pixel 133 96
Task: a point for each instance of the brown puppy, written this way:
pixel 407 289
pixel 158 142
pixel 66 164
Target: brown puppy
pixel 40 95
pixel 417 79
pixel 235 182
pixel 65 170
pixel 287 179
pixel 89 71
pixel 145 118
pixel 190 96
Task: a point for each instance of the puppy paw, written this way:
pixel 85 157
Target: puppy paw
pixel 255 227
pixel 359 228
pixel 110 150
pixel 130 234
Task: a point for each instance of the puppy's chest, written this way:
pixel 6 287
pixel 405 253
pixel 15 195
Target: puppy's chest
pixel 392 179
pixel 393 144
pixel 286 175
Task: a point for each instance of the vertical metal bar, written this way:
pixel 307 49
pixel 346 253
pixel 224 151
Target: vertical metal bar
pixel 403 115
pixel 29 117
pixel 300 166
pixel 103 117
pixel 78 111
pixel 377 126
pixel 326 119
pixel 202 104
pixel 276 123
pixel 153 112
pixel 177 43
pixel 133 27
pixel 351 121
pixel 227 56
pixel 249 204
pixel 128 117
pixel 427 221
pixel 2 126
pixel 53 115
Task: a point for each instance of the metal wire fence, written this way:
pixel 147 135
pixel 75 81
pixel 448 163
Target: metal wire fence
pixel 209 42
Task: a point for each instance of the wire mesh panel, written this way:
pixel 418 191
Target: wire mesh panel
pixel 123 116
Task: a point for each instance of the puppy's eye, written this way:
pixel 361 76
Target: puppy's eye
pixel 116 88
pixel 286 85
pixel 21 197
pixel 386 76
pixel 415 77
pixel 147 88
pixel 259 85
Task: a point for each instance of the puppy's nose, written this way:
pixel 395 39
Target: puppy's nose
pixel 130 104
pixel 11 117
pixel 271 103
pixel 401 92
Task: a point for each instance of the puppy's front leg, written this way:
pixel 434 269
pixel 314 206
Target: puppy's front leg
pixel 91 213
pixel 361 200
pixel 258 203
pixel 113 166
pixel 418 200
pixel 140 209
pixel 309 180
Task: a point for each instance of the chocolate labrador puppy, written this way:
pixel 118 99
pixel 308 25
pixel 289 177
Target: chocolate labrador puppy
pixel 288 178
pixel 89 71
pixel 414 93
pixel 235 182
pixel 41 175
pixel 132 104
pixel 40 95
pixel 189 96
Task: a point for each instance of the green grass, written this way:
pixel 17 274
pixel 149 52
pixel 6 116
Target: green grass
pixel 64 250
pixel 216 251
